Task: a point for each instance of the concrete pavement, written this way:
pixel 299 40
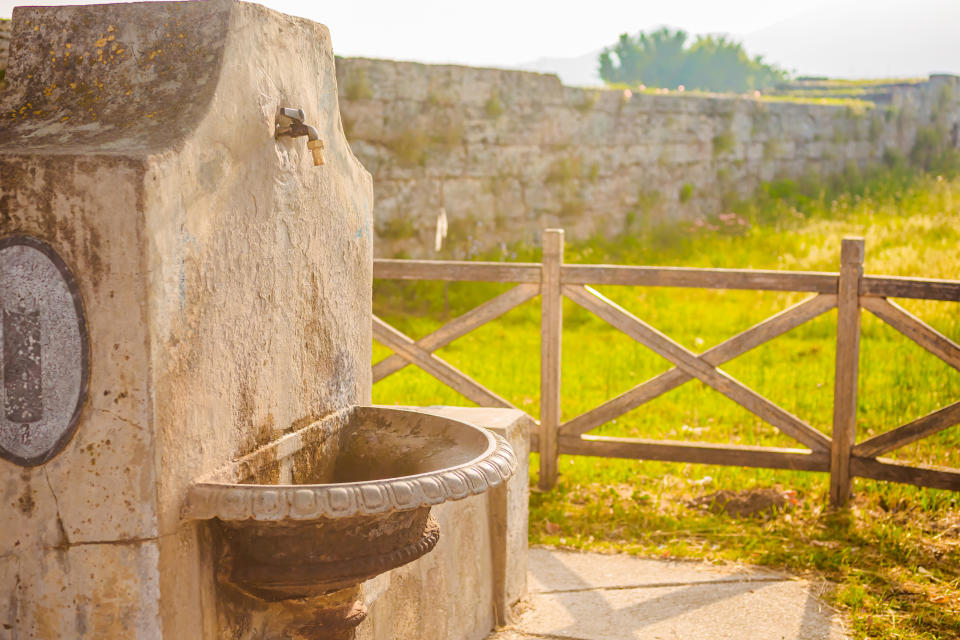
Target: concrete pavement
pixel 589 596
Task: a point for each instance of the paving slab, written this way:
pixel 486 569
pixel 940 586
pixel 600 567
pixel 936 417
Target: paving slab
pixel 590 596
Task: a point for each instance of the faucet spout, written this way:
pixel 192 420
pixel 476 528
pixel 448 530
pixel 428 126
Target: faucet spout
pixel 290 123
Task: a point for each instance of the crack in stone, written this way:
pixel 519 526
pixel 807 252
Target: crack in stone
pixel 56 504
pixel 128 541
pixel 121 419
pixel 14 608
pixel 123 542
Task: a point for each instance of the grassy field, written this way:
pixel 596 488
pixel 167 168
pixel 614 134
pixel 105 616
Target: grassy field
pixel 895 555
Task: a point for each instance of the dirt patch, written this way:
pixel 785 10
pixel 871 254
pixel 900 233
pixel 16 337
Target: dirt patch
pixel 745 503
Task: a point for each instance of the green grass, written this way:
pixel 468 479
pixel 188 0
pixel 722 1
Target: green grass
pixel 836 100
pixel 895 555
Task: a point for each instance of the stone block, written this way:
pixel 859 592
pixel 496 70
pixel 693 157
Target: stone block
pixel 101 493
pixel 470 204
pixel 90 591
pixel 30 513
pixel 366 121
pixel 460 589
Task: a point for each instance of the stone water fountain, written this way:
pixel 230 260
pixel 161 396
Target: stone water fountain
pixel 306 519
pixel 186 449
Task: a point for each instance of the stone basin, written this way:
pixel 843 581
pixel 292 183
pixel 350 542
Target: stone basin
pixel 343 499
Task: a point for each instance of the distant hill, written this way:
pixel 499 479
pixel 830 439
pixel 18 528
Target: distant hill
pixel 840 39
pixel 856 39
pixel 580 71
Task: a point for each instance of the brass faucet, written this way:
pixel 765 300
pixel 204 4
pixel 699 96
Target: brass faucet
pixel 294 127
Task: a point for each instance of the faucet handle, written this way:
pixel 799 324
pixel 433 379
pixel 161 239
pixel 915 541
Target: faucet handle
pixel 296 115
pixel 288 122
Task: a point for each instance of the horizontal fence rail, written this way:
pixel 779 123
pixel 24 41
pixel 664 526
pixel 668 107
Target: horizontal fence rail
pixel 849 291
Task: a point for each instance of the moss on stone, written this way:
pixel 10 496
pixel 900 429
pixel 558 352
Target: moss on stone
pixel 876 127
pixel 438 98
pixel 648 199
pixel 494 107
pixel 412 146
pixel 572 207
pixel 723 142
pixel 589 101
pixel 771 149
pixel 409 146
pixel 593 172
pixel 565 171
pixel 447 137
pixel 358 85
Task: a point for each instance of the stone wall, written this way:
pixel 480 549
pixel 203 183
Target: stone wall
pixel 508 153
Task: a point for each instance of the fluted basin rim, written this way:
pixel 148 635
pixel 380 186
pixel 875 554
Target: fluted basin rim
pixel 212 496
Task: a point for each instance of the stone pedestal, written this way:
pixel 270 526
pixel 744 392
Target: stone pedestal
pixel 225 281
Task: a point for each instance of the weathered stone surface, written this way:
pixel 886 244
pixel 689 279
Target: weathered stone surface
pixel 4 44
pixel 81 206
pixel 225 279
pixel 30 511
pixel 89 591
pixel 571 151
pixel 103 492
pixel 9 583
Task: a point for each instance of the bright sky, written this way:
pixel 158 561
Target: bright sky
pixel 506 32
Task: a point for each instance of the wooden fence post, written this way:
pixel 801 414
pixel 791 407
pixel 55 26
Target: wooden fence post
pixel 551 329
pixel 845 377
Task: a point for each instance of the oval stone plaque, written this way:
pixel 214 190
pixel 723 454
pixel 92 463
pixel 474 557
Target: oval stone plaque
pixel 44 354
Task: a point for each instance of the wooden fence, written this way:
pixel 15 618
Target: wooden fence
pixel 849 291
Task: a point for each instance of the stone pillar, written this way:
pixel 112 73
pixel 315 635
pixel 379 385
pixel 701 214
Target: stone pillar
pixel 224 281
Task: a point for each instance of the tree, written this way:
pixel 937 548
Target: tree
pixel 662 59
